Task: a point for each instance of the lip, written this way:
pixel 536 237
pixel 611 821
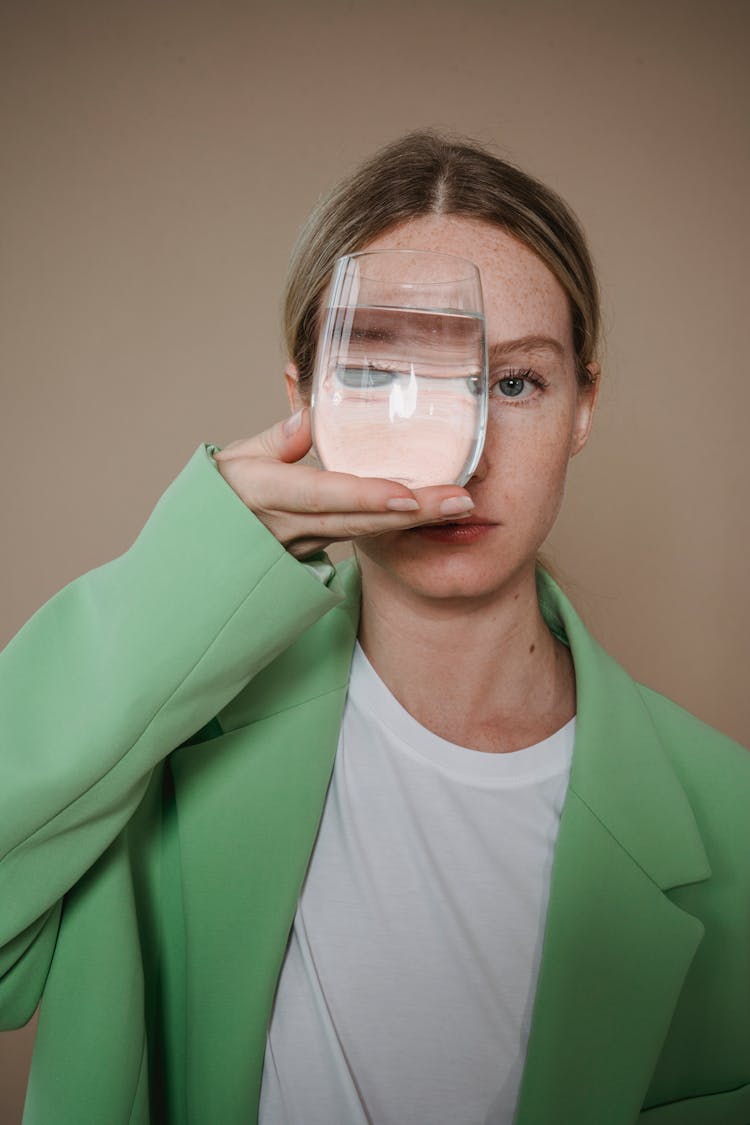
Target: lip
pixel 461 532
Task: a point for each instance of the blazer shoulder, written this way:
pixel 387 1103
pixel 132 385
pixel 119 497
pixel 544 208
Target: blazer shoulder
pixel 707 761
pixel 670 718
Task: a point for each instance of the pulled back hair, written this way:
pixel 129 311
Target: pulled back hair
pixel 426 173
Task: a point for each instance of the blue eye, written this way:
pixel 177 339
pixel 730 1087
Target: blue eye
pixel 365 378
pixel 517 385
pixel 512 387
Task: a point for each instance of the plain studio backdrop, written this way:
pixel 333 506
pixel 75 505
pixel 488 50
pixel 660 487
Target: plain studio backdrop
pixel 159 159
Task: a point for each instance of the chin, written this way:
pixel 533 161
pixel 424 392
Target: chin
pixel 447 576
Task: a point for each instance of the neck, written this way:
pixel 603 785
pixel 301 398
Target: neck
pixel 489 676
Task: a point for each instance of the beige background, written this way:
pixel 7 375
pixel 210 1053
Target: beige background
pixel 158 159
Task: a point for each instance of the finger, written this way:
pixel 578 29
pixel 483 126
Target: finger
pixel 288 440
pixel 305 489
pixel 300 530
pixel 371 517
pixel 445 501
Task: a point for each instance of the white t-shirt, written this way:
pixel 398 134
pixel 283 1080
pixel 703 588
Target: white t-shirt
pixel 406 993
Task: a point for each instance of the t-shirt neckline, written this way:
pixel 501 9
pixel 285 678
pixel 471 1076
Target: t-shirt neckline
pixel 548 758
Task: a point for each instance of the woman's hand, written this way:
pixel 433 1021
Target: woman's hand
pixel 308 508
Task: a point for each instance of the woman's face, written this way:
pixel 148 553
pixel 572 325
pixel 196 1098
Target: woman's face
pixel 538 419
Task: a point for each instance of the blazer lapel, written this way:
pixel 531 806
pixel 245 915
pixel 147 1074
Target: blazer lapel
pixel 616 949
pixel 248 808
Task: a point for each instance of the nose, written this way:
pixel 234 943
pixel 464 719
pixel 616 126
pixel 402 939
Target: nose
pixel 481 470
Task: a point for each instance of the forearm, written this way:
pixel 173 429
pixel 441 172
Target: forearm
pixel 124 665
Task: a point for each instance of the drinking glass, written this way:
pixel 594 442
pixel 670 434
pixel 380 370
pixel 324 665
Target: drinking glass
pixel 400 380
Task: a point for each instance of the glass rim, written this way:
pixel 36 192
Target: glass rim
pixel 472 273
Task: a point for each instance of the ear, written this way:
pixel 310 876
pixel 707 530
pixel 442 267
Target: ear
pixel 291 378
pixel 585 406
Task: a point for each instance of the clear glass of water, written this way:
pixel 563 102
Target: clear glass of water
pixel 400 380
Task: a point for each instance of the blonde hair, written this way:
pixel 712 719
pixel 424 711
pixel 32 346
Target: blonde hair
pixel 426 173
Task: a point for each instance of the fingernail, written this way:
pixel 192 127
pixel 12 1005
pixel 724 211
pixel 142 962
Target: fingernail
pixel 292 424
pixel 402 504
pixel 454 505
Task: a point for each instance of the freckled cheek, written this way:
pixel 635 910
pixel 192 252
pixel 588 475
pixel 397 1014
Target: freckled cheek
pixel 528 467
pixel 535 484
pixel 509 444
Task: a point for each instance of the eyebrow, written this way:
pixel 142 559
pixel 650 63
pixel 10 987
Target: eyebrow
pixel 499 351
pixel 377 327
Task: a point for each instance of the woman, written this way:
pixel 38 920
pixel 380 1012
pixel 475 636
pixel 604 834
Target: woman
pixel 336 901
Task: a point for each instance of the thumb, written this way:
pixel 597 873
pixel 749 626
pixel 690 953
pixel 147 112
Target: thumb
pixel 291 439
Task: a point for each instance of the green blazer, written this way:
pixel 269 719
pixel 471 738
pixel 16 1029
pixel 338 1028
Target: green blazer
pixel 149 874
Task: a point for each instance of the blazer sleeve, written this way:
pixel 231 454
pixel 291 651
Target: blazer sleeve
pixel 112 674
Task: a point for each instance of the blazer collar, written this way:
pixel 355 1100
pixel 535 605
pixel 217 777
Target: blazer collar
pixel 621 770
pixel 616 948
